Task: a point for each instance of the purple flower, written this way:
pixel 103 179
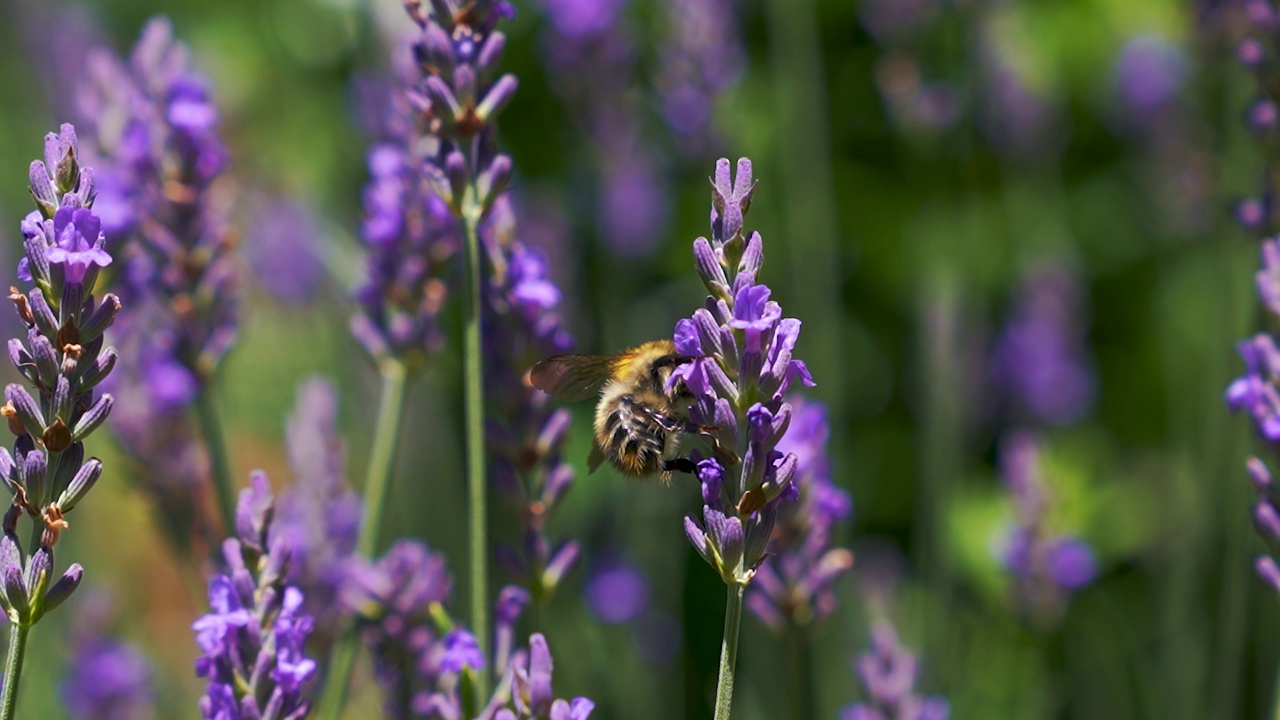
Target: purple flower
pixel 318 513
pixel 1046 565
pixel 531 692
pixel 284 245
pixel 154 132
pixel 526 433
pixel 795 585
pixel 1040 369
pixel 617 593
pixel 592 63
pixel 740 333
pixel 887 673
pixel 252 639
pixel 1149 75
pixel 108 679
pixel 392 600
pixel 63 360
pixel 702 58
pixel 79 242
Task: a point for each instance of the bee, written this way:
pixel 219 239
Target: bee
pixel 639 419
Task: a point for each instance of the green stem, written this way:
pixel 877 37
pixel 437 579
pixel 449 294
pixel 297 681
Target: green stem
pixel 473 384
pixel 382 459
pixel 1275 700
pixel 728 652
pixel 377 480
pixel 216 445
pixel 800 671
pixel 13 670
pixel 338 677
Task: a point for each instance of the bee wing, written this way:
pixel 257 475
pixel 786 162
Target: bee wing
pixel 595 459
pixel 573 377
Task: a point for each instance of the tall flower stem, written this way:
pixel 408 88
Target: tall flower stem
pixel 800 672
pixel 216 445
pixel 13 669
pixel 1275 693
pixel 473 399
pixel 728 652
pixel 333 700
pixel 386 436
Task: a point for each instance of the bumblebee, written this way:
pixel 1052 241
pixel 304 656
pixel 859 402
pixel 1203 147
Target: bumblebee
pixel 638 419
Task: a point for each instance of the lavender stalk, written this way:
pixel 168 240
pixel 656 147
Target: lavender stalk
pixel 460 98
pixel 252 639
pixel 154 128
pixel 64 360
pixel 743 369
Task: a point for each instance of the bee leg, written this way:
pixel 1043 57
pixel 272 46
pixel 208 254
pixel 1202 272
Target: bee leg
pixel 721 452
pixel 682 464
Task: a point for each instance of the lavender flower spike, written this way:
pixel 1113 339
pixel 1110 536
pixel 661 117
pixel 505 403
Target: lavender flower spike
pixel 1047 566
pixel 64 361
pixel 739 333
pixel 153 128
pixel 252 639
pixel 887 673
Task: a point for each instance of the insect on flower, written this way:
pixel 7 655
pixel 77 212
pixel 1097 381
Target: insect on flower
pixel 640 416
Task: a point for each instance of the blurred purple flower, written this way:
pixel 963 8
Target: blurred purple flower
pixel 701 59
pixel 592 64
pixel 617 592
pixel 153 127
pixel 1149 75
pixel 284 245
pixel 318 513
pixel 108 680
pixel 526 432
pixel 795 585
pixel 392 599
pixel 1039 366
pixel 887 673
pixel 1046 566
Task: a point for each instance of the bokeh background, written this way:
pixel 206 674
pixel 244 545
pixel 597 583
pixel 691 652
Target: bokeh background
pixel 991 215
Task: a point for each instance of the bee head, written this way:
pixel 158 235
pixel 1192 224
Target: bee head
pixel 661 373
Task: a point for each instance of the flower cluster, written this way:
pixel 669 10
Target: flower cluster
pixel 251 641
pixel 318 513
pixel 526 693
pixel 592 63
pixel 743 367
pixel 1256 391
pixel 526 432
pixel 887 673
pixel 393 600
pixel 64 359
pixel 411 235
pixel 426 662
pixel 1039 369
pixel 459 97
pixel 154 130
pixel 1047 566
pixel 794 586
